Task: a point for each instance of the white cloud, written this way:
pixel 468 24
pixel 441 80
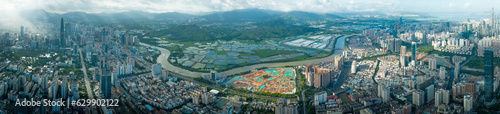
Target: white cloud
pixel 466 5
pixel 197 6
pixel 451 5
pixel 11 8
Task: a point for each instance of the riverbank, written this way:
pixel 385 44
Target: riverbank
pixel 163 59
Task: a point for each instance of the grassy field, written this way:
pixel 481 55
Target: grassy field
pixel 475 73
pixel 14 55
pixel 431 50
pixel 375 57
pixel 298 58
pixel 345 99
pixel 267 52
pixel 478 62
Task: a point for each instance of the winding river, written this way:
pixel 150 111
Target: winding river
pixel 165 64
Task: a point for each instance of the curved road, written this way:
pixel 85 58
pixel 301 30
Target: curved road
pixel 165 64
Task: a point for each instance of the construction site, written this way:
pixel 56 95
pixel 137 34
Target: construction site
pixel 275 80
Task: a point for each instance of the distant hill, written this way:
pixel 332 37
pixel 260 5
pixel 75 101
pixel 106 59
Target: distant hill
pixel 270 32
pixel 244 15
pixel 258 15
pixel 307 16
pixel 184 33
pixel 361 13
pixel 278 22
pixel 273 28
pixel 276 28
pixel 241 15
pixel 172 15
pixel 266 23
pixel 82 17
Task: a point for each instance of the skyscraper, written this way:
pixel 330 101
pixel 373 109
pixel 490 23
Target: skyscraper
pixel 319 98
pixel 53 90
pixel 285 106
pixel 196 99
pixel 206 98
pixel 442 96
pixel 309 70
pixel 458 89
pixel 493 24
pixel 401 20
pixel 44 82
pixel 488 75
pixel 106 85
pixel 429 93
pixel 213 74
pixel 403 50
pixel 424 38
pixel 394 45
pixel 442 73
pixel 379 89
pixel 497 74
pixel 446 97
pixel 438 97
pixel 470 88
pixel 104 39
pixel 74 89
pixel 468 103
pixel 114 78
pixel 339 61
pixel 64 88
pixel 61 34
pixel 156 69
pixel 402 60
pixel 353 67
pixel 432 64
pixel 386 94
pixel 418 97
pixel 75 50
pixel 414 51
pixel 22 33
pixel 457 71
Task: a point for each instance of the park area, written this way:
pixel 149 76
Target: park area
pixel 275 80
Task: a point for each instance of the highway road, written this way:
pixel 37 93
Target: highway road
pixel 304 101
pixel 90 93
pixel 303 96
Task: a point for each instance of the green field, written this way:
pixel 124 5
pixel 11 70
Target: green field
pixel 207 33
pixel 431 50
pixel 18 54
pixel 345 99
pixel 267 52
pixel 475 73
pixel 478 62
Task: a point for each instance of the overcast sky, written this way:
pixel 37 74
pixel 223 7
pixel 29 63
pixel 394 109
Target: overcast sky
pixel 11 10
pixel 203 6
